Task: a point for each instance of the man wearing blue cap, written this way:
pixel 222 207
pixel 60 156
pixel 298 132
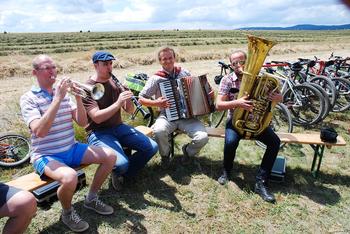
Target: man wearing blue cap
pixel 106 128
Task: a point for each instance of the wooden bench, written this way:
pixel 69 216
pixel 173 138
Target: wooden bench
pixel 32 181
pixel 313 139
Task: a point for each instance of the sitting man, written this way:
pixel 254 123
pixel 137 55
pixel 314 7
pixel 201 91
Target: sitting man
pixel 49 112
pixel 227 100
pixel 163 127
pixel 19 206
pixel 105 126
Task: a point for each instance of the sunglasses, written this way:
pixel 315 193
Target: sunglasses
pixel 46 68
pixel 242 62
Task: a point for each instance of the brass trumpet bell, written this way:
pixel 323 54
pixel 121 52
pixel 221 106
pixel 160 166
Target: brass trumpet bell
pixel 97 90
pixel 76 88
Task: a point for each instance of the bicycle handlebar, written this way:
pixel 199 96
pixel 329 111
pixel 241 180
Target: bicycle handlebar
pixel 224 65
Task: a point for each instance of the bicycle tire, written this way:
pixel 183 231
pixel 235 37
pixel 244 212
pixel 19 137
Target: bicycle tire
pixel 305 103
pixel 342 102
pixel 281 122
pixel 136 118
pixel 215 118
pixel 327 85
pixel 14 150
pixel 327 106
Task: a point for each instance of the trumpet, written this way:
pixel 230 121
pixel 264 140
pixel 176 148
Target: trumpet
pixel 138 105
pixel 76 88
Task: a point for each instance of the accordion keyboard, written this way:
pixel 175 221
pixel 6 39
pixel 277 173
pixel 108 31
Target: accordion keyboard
pixel 166 89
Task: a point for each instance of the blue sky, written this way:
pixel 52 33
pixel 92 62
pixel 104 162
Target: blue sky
pixel 116 15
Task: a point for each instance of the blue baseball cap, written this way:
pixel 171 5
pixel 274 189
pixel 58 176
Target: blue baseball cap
pixel 102 56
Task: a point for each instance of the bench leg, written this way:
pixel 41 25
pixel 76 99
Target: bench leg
pixel 172 144
pixel 318 153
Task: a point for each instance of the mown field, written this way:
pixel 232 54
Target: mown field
pixel 187 199
pixel 73 50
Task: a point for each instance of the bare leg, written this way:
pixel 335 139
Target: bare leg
pixel 103 156
pixel 68 179
pixel 21 208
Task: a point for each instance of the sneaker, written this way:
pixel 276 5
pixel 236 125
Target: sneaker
pixel 185 160
pixel 117 181
pixel 223 179
pixel 74 222
pixel 98 206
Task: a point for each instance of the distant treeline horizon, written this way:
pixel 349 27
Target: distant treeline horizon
pixel 301 27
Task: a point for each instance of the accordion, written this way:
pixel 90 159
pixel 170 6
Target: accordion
pixel 189 97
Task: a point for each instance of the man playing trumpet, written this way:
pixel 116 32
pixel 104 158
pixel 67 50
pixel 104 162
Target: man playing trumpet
pixel 49 112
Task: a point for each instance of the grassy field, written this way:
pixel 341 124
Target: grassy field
pixel 187 199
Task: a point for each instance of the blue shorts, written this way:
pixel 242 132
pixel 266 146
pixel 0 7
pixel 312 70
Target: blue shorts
pixel 6 192
pixel 71 158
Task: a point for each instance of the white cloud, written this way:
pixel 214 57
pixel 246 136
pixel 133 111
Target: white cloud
pixel 104 15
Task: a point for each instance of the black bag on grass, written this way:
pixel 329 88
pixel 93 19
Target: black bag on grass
pixel 328 134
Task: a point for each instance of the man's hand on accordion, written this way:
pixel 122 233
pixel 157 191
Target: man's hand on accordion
pixel 163 102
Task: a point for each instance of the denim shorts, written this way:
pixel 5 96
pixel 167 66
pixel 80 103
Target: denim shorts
pixel 6 192
pixel 71 158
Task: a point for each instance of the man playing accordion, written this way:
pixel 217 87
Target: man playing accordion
pixel 151 96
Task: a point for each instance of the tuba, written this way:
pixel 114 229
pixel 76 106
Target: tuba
pixel 257 86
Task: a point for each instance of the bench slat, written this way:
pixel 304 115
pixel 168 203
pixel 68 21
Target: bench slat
pixel 298 138
pixel 29 182
pixel 308 138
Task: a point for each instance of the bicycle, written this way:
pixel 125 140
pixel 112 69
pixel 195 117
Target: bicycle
pixel 14 149
pixel 305 102
pixel 142 115
pixel 215 118
pixel 341 82
pixel 299 75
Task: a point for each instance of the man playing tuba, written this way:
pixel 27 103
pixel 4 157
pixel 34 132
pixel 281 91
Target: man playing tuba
pixel 227 100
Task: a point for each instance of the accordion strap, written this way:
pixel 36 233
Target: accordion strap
pixel 165 74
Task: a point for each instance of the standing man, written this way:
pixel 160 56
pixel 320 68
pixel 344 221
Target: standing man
pixel 162 126
pixel 227 100
pixel 19 206
pixel 49 112
pixel 105 126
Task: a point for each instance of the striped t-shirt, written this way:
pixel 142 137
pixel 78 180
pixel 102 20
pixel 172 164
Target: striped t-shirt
pixel 60 137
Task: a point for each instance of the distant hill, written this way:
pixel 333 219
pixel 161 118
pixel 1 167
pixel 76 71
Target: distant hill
pixel 302 27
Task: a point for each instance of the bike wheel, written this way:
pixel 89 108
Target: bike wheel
pixel 305 103
pixel 342 102
pixel 328 86
pixel 137 118
pixel 215 118
pixel 327 106
pixel 14 150
pixel 281 122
